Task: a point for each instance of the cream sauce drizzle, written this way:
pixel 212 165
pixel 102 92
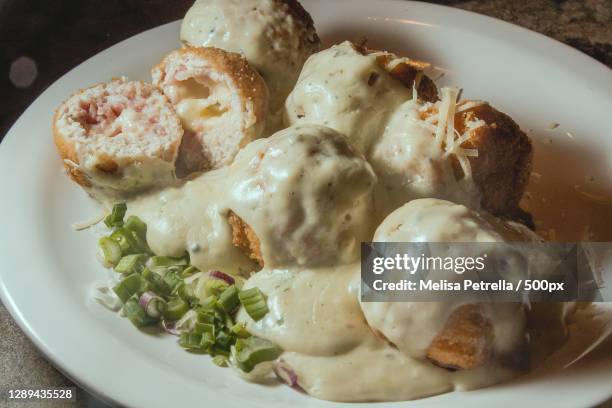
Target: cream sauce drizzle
pixel 304 191
pixel 350 92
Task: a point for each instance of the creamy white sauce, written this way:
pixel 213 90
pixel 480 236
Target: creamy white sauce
pixel 308 196
pixel 350 92
pixel 316 317
pixel 304 192
pixel 410 165
pixel 341 88
pixel 412 326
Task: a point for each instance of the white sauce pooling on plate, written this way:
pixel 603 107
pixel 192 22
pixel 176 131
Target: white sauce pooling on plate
pixel 315 317
pixel 192 218
pixel 312 311
pixel 307 195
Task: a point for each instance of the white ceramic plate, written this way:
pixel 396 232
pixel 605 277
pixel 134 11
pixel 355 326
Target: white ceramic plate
pixel 47 268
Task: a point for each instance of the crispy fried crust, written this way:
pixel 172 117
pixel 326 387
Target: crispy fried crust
pixel 501 170
pixel 67 153
pixel 301 15
pixel 245 238
pixel 408 72
pixel 464 342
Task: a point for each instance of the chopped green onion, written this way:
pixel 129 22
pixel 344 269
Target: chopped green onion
pixel 208 303
pixel 214 287
pixel 254 302
pixel 133 223
pixel 228 299
pixel 185 292
pixel 223 340
pixel 130 286
pixel 254 350
pixel 137 315
pixel 202 328
pixel 221 361
pixel 240 330
pixel 131 263
pixel 208 340
pixel 222 317
pixel 157 283
pixel 218 351
pixel 165 261
pixel 206 317
pixel 140 242
pixel 187 272
pixel 110 252
pixel 115 218
pixel 175 309
pixel 125 239
pixel 173 281
pixel 190 341
pixel 156 307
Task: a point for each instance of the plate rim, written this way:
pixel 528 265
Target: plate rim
pixel 573 55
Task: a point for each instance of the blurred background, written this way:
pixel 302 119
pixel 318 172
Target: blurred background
pixel 41 40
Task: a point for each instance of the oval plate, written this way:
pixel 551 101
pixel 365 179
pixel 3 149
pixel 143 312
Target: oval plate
pixel 47 268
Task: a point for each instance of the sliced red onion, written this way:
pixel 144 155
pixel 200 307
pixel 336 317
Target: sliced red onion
pixel 222 276
pixel 170 327
pixel 149 301
pixel 286 375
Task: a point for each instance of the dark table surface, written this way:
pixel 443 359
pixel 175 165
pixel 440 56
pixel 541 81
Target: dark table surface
pixel 58 35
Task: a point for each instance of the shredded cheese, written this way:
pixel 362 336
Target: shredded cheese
pixel 447 137
pixel 81 225
pixel 469 105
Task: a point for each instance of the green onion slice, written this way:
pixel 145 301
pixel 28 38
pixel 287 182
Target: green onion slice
pixel 115 218
pixel 254 302
pixel 131 264
pixel 109 251
pixel 190 341
pixel 165 261
pixel 254 350
pixel 202 328
pixel 137 315
pixel 240 330
pixel 214 287
pixel 175 308
pixel 133 223
pixel 157 283
pixel 221 361
pixel 187 272
pixel 130 286
pixel 228 299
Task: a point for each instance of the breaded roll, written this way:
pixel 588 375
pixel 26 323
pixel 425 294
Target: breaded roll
pixel 275 36
pixel 118 138
pixel 302 196
pixel 503 165
pixel 220 100
pixel 355 91
pixel 450 333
